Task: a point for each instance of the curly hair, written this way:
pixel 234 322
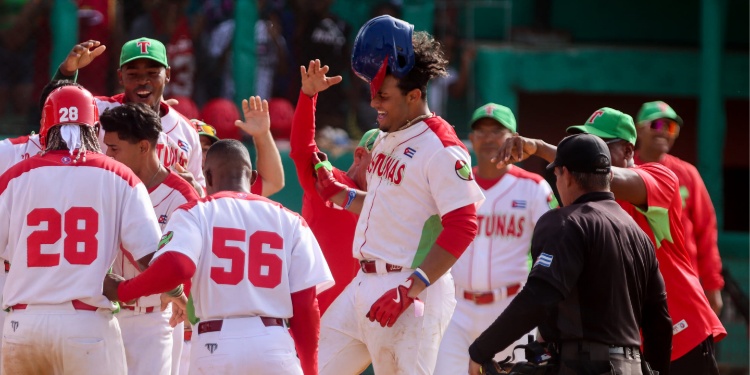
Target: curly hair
pixel 429 63
pixel 132 122
pixel 89 141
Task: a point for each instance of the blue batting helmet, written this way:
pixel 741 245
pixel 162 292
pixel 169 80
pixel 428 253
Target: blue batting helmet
pixel 383 43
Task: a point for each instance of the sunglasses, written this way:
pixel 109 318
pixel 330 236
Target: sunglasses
pixel 666 125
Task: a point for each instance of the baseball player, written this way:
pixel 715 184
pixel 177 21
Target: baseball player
pixel 14 150
pixel 650 194
pixel 143 73
pixel 494 268
pixel 658 127
pixel 252 263
pixel 332 226
pixel 61 245
pixel 130 133
pixel 418 215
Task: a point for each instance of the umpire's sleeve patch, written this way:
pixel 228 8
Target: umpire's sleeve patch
pixel 544 260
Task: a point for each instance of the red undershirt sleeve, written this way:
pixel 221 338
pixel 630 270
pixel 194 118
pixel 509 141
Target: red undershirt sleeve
pixel 167 272
pixel 459 229
pixel 305 328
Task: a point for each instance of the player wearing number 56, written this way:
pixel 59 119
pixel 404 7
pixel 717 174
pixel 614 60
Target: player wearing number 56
pixel 65 214
pixel 245 282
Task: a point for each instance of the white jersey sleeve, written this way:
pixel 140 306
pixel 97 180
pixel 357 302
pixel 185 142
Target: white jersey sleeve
pixel 307 259
pixel 13 150
pixel 451 180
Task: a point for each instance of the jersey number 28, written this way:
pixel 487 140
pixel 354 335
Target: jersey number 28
pixel 80 225
pixel 257 260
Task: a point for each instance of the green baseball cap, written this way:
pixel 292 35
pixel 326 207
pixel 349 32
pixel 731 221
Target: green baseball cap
pixel 655 110
pixel 368 139
pixel 144 48
pixel 608 123
pixel 497 112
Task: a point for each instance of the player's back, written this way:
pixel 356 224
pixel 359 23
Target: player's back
pixel 255 253
pixel 63 222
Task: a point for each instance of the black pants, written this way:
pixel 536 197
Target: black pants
pixel 699 361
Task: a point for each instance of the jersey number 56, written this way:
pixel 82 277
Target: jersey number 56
pixel 257 260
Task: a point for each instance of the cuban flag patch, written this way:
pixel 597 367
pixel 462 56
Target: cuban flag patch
pixel 544 260
pixel 518 203
pixel 410 152
pixel 182 145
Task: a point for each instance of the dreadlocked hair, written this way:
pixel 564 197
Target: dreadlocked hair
pixel 89 141
pixel 429 63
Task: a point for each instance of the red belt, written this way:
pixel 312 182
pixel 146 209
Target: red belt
pixel 149 309
pixel 78 305
pixel 483 298
pixel 7 266
pixel 188 335
pixel 215 325
pixel 368 266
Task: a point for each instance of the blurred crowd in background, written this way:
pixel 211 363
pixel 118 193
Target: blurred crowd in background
pixel 199 35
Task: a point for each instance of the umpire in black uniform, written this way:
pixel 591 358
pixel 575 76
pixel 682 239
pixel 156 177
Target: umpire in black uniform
pixel 595 281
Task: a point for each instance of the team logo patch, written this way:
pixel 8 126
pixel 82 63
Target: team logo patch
pixel 66 160
pixel 518 203
pixel 14 325
pixel 594 116
pixel 410 152
pixel 183 146
pixel 162 219
pixel 463 171
pixel 544 260
pixel 165 239
pixel 552 201
pixel 211 347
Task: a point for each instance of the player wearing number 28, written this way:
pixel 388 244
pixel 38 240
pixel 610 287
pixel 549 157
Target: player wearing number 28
pixel 65 214
pixel 252 262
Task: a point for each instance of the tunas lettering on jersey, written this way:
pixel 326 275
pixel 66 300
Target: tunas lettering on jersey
pixel 171 155
pixel 501 225
pixel 387 167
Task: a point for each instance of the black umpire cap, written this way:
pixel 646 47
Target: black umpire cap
pixel 583 153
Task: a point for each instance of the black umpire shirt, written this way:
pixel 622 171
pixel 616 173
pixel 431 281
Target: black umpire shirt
pixel 595 277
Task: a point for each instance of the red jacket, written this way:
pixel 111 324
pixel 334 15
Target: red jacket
pixel 693 320
pixel 333 228
pixel 698 221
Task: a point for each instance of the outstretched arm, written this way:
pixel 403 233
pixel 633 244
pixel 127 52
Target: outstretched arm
pixel 258 124
pixel 626 184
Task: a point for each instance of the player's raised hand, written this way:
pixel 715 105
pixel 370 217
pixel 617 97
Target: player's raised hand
pixel 325 184
pixel 392 304
pixel 257 120
pixel 81 55
pixel 314 79
pixel 514 150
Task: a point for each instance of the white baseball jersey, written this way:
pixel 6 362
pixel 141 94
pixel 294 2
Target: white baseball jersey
pixel 173 192
pixel 250 255
pixel 499 255
pixel 416 176
pixel 179 143
pixel 13 150
pixel 63 222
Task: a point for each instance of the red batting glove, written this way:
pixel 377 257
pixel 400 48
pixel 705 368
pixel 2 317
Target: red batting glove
pixel 325 184
pixel 392 304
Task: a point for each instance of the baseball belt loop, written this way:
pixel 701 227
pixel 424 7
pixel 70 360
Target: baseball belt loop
pixel 380 267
